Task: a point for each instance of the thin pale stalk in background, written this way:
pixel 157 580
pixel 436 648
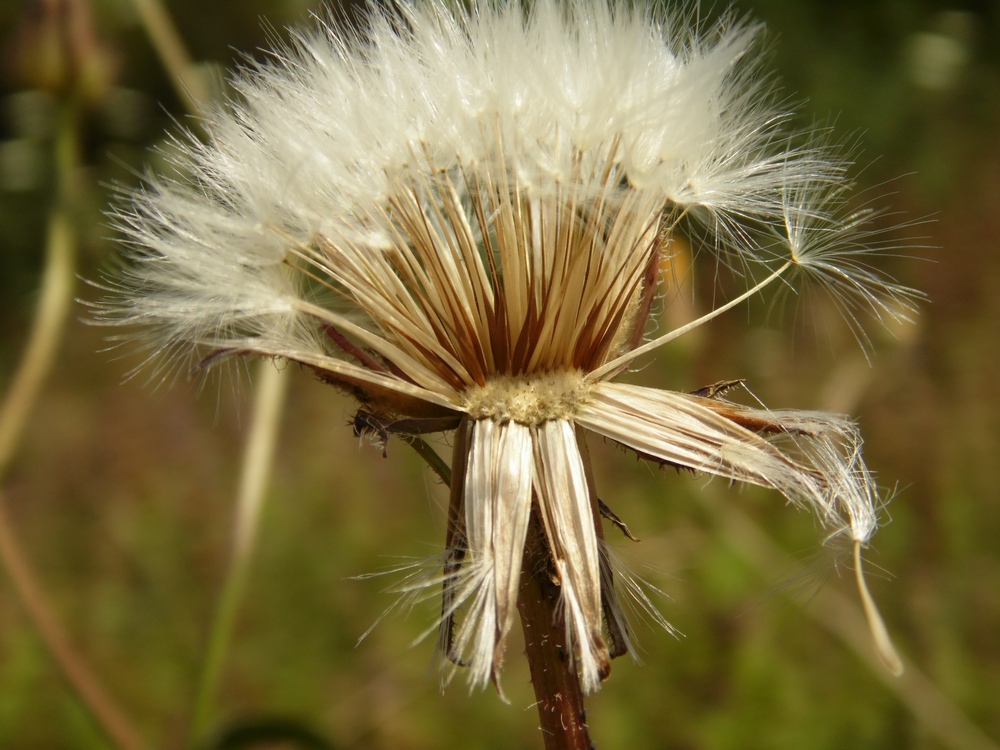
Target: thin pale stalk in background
pixel 55 300
pixel 258 460
pixel 170 49
pixel 270 389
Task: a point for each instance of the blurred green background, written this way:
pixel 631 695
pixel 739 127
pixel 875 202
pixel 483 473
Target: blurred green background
pixel 123 494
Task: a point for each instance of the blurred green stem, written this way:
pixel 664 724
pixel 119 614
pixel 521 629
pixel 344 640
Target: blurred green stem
pixel 54 301
pixel 43 343
pixel 258 459
pixel 172 53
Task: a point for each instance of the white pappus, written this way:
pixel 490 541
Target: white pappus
pixel 461 217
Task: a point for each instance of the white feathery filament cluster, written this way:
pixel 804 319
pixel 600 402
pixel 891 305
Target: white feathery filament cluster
pixel 460 216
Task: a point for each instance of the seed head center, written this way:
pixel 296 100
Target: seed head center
pixel 529 399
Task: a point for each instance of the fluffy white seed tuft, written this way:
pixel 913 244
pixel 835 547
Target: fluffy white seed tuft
pixel 459 215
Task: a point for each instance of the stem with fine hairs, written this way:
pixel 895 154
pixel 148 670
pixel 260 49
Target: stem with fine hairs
pixel 558 693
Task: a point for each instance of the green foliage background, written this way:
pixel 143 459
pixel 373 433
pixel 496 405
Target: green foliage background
pixel 123 493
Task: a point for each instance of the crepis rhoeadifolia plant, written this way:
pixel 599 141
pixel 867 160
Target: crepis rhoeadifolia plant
pixel 462 216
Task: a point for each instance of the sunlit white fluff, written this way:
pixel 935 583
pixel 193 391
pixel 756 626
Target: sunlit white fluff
pixel 460 218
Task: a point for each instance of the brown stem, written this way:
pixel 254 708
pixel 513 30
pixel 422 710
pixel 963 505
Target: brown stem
pixel 553 673
pixel 106 712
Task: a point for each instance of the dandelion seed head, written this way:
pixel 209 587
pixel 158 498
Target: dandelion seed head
pixel 458 216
